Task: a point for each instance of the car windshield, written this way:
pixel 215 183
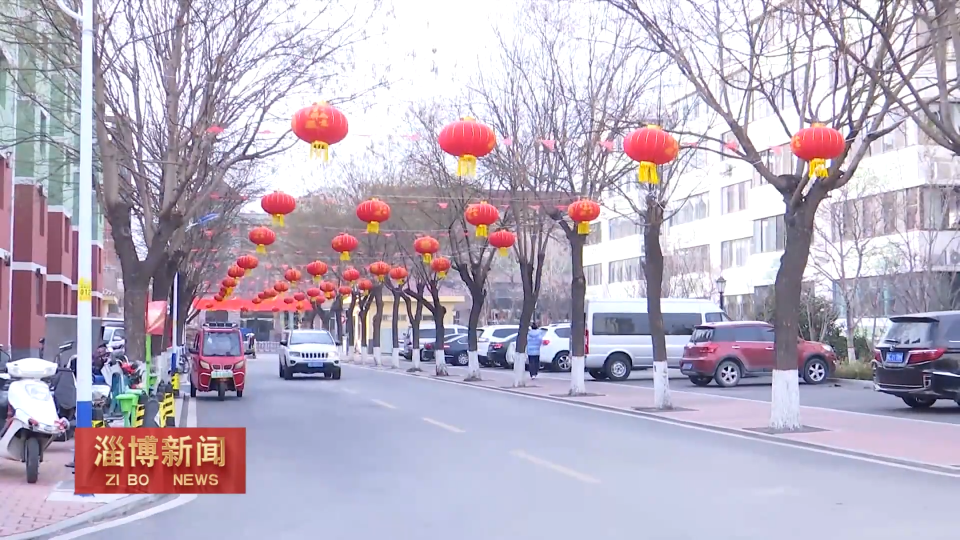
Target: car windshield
pixel 221 344
pixel 312 338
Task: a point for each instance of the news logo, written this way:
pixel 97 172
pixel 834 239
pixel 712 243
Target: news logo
pixel 161 460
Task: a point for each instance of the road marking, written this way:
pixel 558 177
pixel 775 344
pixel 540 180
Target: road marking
pixel 448 427
pixel 585 478
pixel 383 404
pixel 349 390
pixel 192 413
pixel 905 464
pixel 170 505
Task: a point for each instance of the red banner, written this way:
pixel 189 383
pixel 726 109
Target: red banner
pixel 156 317
pixel 161 460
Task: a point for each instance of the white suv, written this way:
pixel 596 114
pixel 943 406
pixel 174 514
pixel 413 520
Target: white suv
pixel 555 349
pixel 494 333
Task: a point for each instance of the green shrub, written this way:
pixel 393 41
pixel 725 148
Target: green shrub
pixel 855 370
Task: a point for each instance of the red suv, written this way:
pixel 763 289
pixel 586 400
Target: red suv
pixel 728 351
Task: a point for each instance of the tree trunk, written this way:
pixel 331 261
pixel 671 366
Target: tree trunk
pixel 785 396
pixel 395 331
pixel 527 307
pixel 440 361
pixel 135 291
pixel 338 324
pixel 578 295
pixel 364 310
pixel 478 295
pixel 377 320
pixel 653 273
pixel 352 328
pixel 414 316
pixel 848 319
pixel 161 291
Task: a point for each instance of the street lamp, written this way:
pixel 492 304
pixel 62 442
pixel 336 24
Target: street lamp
pixel 721 286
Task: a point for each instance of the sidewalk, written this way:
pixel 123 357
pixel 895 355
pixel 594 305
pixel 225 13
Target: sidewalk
pixel 918 442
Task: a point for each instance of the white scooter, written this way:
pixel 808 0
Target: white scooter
pixel 31 421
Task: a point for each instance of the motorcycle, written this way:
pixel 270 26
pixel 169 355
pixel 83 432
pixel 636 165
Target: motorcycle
pixel 63 384
pixel 30 420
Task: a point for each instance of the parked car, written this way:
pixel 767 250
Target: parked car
pixel 428 334
pixel 726 352
pixel 918 359
pixel 555 349
pixel 494 333
pixel 454 349
pixel 497 353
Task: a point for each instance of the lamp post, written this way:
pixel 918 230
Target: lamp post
pixel 84 215
pixel 721 286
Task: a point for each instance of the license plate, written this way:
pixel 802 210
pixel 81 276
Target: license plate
pixel 894 357
pixel 314 364
pixel 222 374
pixel 687 366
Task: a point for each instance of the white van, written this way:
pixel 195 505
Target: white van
pixel 618 333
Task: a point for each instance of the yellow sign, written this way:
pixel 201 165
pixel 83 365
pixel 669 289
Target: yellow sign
pixel 84 290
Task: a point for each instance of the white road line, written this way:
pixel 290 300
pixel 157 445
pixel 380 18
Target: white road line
pixel 179 501
pixel 349 390
pixel 192 413
pixel 448 427
pixel 383 404
pixel 585 478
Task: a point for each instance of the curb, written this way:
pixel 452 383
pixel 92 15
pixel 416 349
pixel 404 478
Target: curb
pixel 110 511
pixel 953 471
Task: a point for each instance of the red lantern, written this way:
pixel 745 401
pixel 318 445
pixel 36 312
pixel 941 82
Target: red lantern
pixel 292 275
pixel 281 287
pixel 365 285
pixel 344 244
pixel 345 291
pixel 248 263
pixel 374 212
pixel 817 144
pixel 261 295
pixel 300 306
pixel 208 305
pixel 468 140
pixel 583 212
pixel 351 275
pixel 299 297
pixel 440 265
pixel 272 293
pixel 218 298
pixel 503 240
pixel 236 272
pixel 399 274
pixel 278 204
pixel 328 289
pixel 262 237
pixel 317 269
pixel 224 292
pixel 314 292
pixel 256 300
pixel 320 125
pixel 651 146
pixel 228 283
pixel 288 300
pixel 379 269
pixel 275 309
pixel 426 246
pixel 481 216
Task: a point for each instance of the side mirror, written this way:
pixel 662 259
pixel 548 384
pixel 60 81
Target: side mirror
pixel 193 350
pixel 283 343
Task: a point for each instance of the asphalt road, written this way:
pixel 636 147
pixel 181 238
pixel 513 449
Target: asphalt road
pixel 382 455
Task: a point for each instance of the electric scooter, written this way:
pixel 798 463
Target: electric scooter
pixel 30 415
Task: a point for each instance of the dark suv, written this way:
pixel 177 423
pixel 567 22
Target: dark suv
pixel 918 359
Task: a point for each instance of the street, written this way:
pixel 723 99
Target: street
pixel 382 454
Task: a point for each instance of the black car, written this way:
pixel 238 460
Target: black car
pixel 497 353
pixel 454 349
pixel 918 359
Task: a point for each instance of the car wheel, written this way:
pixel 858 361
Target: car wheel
pixel 281 369
pixel 463 359
pixel 561 362
pixel 328 375
pixel 728 373
pixel 193 391
pixel 336 375
pixel 815 371
pixel 919 402
pixel 222 391
pixel 618 367
pixel 700 380
pixel 597 374
pixel 239 393
pixel 287 373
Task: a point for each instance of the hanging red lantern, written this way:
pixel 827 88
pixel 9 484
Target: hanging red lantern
pixel 224 292
pixel 288 300
pixel 272 293
pixel 440 265
pixel 300 306
pixel 365 286
pixel 379 269
pixel 328 289
pixel 467 140
pixel 218 298
pixel 299 297
pixel 248 263
pixel 208 233
pixel 321 125
pixel 314 292
pixel 292 275
pixel 373 212
pixel 278 204
pixel 344 244
pixel 426 246
pixel 351 275
pixel 817 144
pixel 228 283
pixel 275 309
pixel 261 295
pixel 399 274
pixel 236 272
pixel 281 287
pixel 583 212
pixel 256 300
pixel 317 269
pixel 651 146
pixel 345 291
pixel 503 240
pixel 262 237
pixel 481 216
pixel 208 305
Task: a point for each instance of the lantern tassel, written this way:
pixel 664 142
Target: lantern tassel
pixel 583 227
pixel 482 231
pixel 344 255
pixel 441 275
pixel 373 227
pixel 380 279
pixel 467 166
pixel 247 272
pixel 316 279
pixel 427 258
pixel 647 173
pixel 261 248
pixel 818 167
pixel 400 281
pixel 320 149
pixel 503 251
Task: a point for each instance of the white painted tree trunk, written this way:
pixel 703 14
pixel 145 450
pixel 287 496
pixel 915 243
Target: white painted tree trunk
pixel 395 357
pixel 852 353
pixel 578 382
pixel 376 357
pixel 345 349
pixel 473 366
pixel 661 386
pixel 363 355
pixel 519 369
pixel 355 355
pixel 785 400
pixel 440 360
pixel 416 358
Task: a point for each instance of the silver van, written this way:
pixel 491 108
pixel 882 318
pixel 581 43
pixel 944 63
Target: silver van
pixel 618 333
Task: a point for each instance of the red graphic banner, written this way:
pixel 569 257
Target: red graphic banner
pixel 161 460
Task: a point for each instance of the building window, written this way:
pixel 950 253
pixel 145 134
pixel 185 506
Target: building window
pixel 691 260
pixel 594 236
pixel 593 274
pixel 4 80
pixel 769 234
pixel 733 198
pixel 734 253
pixel 693 208
pixel 895 139
pixel 935 208
pixel 624 270
pixel 38 279
pixel 622 227
pixel 44 143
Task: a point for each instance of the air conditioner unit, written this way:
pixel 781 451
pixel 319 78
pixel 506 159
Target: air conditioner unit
pixel 954 257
